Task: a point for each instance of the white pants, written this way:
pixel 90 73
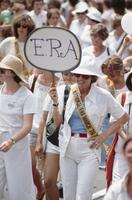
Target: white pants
pixel 78 170
pixel 120 167
pixel 16 170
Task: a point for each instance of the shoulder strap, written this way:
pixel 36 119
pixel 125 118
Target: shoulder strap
pixel 66 95
pixel 121 43
pixel 33 83
pixel 108 51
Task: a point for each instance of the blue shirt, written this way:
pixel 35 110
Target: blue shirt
pixel 76 123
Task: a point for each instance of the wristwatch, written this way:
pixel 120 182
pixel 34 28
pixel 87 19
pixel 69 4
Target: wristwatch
pixel 13 141
pixel 55 104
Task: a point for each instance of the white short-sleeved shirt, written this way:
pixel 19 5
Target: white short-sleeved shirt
pixel 85 39
pixel 78 28
pixel 40 19
pixel 113 42
pixel 99 59
pixel 40 93
pixel 14 107
pixel 47 106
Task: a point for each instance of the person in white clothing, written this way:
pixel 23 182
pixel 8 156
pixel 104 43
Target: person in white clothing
pixel 22 26
pixel 51 151
pixel 78 147
pixel 98 50
pixel 94 17
pixel 38 14
pixel 120 166
pixel 40 90
pixel 78 24
pixel 17 106
pixel 122 190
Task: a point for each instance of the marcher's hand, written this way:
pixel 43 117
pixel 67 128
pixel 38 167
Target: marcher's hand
pixel 127 41
pixel 5 146
pixel 53 94
pixel 39 149
pixel 98 141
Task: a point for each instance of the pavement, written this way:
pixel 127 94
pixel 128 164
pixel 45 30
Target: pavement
pixel 99 187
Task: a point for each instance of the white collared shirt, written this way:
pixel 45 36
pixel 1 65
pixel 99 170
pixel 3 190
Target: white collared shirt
pixel 98 104
pixel 40 19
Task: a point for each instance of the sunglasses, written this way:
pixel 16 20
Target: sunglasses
pixel 83 76
pixel 2 71
pixel 81 13
pixel 23 26
pixel 68 74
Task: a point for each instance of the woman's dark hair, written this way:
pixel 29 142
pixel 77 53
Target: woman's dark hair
pixel 36 1
pixel 129 82
pixel 26 20
pixel 54 4
pixel 107 3
pixel 93 79
pixel 17 79
pixel 129 139
pixel 50 12
pixel 119 6
pixel 99 30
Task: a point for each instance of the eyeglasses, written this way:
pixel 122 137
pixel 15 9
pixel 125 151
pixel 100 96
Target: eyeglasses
pixel 82 75
pixel 81 13
pixel 23 26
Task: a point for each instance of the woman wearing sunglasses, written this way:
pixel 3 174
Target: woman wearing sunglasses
pixel 80 136
pixel 22 26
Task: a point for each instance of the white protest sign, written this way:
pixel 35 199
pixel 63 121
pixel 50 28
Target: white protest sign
pixel 126 23
pixel 53 49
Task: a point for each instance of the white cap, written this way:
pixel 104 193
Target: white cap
pixel 94 14
pixel 87 67
pixel 80 7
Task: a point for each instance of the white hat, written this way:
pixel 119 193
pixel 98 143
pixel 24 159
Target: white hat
pixel 15 64
pixel 94 14
pixel 87 67
pixel 80 7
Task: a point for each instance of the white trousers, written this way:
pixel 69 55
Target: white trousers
pixel 16 170
pixel 78 170
pixel 120 167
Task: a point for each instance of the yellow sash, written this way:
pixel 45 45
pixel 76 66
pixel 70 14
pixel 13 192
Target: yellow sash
pixel 83 115
pixel 25 71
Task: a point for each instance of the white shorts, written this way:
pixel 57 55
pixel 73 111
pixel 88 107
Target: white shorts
pixel 50 148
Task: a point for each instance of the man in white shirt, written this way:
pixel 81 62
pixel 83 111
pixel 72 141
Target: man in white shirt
pixel 38 15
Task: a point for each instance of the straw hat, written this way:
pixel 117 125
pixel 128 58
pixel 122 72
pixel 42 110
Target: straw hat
pixel 15 64
pixel 80 7
pixel 87 67
pixel 128 78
